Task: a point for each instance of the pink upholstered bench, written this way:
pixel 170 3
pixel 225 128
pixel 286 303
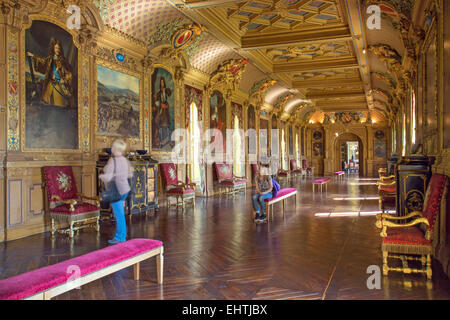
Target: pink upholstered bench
pixel 339 174
pixel 50 281
pixel 282 195
pixel 320 182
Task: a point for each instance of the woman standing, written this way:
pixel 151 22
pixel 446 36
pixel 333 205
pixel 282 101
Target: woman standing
pixel 118 170
pixel 264 188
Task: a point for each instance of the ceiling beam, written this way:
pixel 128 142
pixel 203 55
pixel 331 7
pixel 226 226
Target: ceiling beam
pixel 196 4
pixel 335 95
pixel 318 65
pixel 326 83
pixel 294 37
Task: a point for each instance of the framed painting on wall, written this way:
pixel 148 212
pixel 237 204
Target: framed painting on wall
pixel 317 149
pixel 379 149
pixel 51 88
pixel 163 110
pixel 118 103
pixel 218 118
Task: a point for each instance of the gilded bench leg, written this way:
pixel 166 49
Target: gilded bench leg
pixel 136 270
pixel 160 266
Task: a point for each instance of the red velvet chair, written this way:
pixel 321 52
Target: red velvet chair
pixel 411 237
pixel 66 204
pixel 281 173
pixel 309 170
pixel 295 170
pixel 387 192
pixel 182 192
pixel 227 181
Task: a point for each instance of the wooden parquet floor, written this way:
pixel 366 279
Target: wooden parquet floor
pixel 216 251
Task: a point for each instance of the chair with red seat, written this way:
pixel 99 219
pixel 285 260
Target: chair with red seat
pixel 309 170
pixel 181 191
pixel 227 181
pixel 387 191
pixel 411 237
pixel 295 170
pixel 66 204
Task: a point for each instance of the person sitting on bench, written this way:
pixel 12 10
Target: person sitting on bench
pixel 264 186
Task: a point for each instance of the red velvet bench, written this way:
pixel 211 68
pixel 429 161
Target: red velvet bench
pixel 50 281
pixel 282 195
pixel 320 182
pixel 339 174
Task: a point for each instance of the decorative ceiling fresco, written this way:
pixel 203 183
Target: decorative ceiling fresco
pixel 316 53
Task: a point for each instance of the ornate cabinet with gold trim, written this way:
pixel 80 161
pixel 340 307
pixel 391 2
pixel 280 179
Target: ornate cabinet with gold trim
pixel 413 175
pixel 144 183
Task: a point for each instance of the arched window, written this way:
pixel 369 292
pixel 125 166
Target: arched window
pixel 283 148
pixel 194 145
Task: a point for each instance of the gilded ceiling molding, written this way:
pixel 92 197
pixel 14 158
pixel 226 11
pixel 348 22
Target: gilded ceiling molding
pixel 165 31
pixel 386 78
pixel 388 55
pixel 257 92
pixel 227 76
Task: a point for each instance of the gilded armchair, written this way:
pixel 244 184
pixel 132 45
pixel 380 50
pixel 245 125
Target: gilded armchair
pixel 387 192
pixel 411 237
pixel 227 181
pixel 66 204
pixel 181 191
pixel 295 170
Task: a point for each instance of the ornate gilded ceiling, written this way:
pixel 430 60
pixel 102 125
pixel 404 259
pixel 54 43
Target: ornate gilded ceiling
pixel 317 51
pixel 262 15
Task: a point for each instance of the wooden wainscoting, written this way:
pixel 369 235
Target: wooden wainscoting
pixel 26 207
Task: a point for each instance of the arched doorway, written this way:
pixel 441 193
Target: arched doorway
pixel 342 145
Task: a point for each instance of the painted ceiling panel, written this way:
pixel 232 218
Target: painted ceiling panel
pixel 211 52
pixel 138 18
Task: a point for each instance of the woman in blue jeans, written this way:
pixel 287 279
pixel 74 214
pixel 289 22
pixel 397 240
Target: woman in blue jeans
pixel 118 170
pixel 264 186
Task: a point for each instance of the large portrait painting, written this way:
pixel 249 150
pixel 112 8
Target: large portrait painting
pixel 51 87
pixel 379 149
pixel 118 103
pixel 163 110
pixel 251 125
pixel 218 118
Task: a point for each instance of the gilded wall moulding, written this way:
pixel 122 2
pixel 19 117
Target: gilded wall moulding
pixel 281 100
pixel 104 7
pixel 172 57
pixel 228 75
pixel 116 56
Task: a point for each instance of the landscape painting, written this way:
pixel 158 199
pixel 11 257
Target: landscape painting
pixel 163 110
pixel 118 103
pixel 51 88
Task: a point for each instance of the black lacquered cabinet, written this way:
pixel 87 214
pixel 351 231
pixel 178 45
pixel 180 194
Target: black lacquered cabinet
pixel 144 183
pixel 413 176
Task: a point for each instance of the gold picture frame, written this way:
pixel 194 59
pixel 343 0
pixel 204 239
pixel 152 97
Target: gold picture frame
pixel 106 139
pixel 22 56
